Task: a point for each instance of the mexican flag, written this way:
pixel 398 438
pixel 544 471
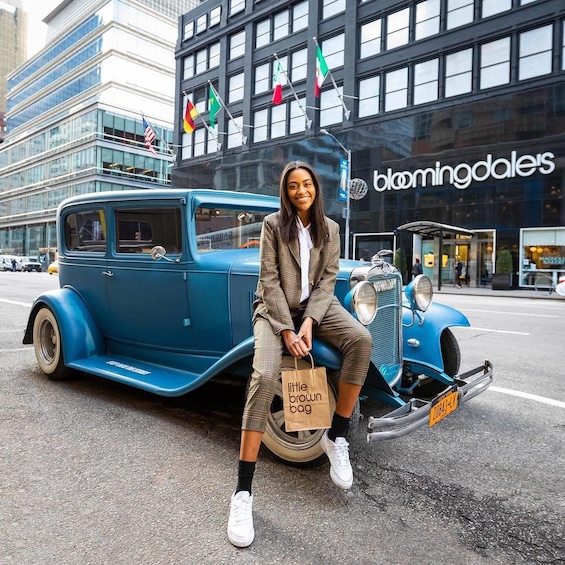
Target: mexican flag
pixel 277 84
pixel 322 71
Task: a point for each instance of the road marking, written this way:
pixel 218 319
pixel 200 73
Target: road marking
pixel 529 396
pixel 494 331
pixel 29 305
pixel 514 313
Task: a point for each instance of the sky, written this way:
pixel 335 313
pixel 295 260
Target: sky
pixel 36 28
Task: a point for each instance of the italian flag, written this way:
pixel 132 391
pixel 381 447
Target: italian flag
pixel 322 71
pixel 277 85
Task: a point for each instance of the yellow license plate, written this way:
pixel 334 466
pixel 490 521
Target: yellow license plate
pixel 443 405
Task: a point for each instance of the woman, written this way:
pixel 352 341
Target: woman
pixel 299 254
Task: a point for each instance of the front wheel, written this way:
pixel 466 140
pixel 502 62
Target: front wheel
pixel 48 346
pixel 300 448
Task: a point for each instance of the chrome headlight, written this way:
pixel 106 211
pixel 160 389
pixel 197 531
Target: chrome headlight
pixel 420 293
pixel 364 302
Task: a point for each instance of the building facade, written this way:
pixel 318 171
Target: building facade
pixel 451 111
pixel 74 113
pixel 13 48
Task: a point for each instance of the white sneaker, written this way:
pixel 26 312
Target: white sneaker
pixel 240 524
pixel 338 454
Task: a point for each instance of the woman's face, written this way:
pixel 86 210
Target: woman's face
pixel 301 192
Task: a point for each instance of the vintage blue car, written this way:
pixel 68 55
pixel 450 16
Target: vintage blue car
pixel 156 291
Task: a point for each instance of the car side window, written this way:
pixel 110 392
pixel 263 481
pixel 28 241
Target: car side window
pixel 138 230
pixel 86 231
pixel 226 228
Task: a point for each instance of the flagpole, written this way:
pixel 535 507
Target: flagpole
pixel 308 121
pixel 345 110
pixel 155 132
pixel 243 138
pixel 210 130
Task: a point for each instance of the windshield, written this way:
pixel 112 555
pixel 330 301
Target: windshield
pixel 227 228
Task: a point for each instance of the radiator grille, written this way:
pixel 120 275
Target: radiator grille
pixel 386 328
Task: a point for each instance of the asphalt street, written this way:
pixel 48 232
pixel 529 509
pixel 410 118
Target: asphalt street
pixel 94 472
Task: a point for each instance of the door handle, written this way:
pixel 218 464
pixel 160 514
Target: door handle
pixel 108 273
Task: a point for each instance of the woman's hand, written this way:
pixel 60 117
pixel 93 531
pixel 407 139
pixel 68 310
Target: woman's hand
pixel 299 344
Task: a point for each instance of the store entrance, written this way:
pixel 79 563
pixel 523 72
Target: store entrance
pixel 485 258
pixel 458 250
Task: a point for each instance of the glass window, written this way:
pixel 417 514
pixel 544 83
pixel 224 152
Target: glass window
pixel 331 110
pixel 397 28
pixel 396 89
pixel 332 7
pixel 85 231
pixel 369 96
pixel 333 51
pixel 263 33
pixel 535 52
pixel 370 38
pixel 236 6
pixel 260 126
pixel 563 48
pixel 495 63
pixel 458 72
pixel 188 67
pixel 214 58
pixel 278 121
pixel 215 14
pixel 201 23
pixel 235 128
pixel 199 141
pixel 297 117
pixel 299 70
pixel 491 7
pixel 426 81
pixel 188 30
pixel 300 16
pixel 201 60
pixel 459 12
pixel 280 25
pixel 427 18
pixel 235 88
pixel 262 78
pixel 237 45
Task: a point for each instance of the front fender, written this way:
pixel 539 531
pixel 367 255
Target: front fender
pixel 80 334
pixel 421 338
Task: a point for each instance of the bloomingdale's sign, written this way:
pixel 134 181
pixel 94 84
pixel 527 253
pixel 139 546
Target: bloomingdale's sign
pixel 462 175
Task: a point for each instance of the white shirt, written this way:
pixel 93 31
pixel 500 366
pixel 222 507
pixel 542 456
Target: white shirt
pixel 305 243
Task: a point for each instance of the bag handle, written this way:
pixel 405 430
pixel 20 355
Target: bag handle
pixel 311 361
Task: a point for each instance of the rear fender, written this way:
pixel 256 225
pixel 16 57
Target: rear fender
pixel 80 335
pixel 421 337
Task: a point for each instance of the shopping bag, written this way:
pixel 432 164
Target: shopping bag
pixel 305 398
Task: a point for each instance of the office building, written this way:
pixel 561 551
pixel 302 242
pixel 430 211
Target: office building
pixel 451 111
pixel 74 113
pixel 13 47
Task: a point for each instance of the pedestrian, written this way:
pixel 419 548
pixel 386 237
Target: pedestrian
pixel 14 264
pixel 458 271
pixel 417 268
pixel 299 263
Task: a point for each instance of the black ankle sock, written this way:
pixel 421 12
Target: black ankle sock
pixel 339 427
pixel 245 475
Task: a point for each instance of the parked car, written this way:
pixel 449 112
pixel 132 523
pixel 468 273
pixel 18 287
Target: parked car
pixel 6 263
pixel 53 268
pixel 31 264
pixel 157 289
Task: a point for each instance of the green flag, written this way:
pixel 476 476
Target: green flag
pixel 214 106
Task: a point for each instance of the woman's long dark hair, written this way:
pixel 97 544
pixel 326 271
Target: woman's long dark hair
pixel 288 215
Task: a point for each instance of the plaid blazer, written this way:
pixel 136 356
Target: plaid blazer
pixel 279 287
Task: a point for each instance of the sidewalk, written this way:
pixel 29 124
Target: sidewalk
pixel 487 291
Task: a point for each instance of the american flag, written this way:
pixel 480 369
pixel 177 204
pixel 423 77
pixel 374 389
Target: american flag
pixel 149 136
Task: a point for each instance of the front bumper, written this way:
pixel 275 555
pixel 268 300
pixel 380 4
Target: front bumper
pixel 416 412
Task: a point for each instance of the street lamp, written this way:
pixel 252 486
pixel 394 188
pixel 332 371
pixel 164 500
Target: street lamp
pixel 348 153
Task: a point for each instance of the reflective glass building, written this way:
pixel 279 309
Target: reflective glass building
pixel 451 111
pixel 74 113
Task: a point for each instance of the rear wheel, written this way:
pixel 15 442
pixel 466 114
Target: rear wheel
pixel 300 448
pixel 48 346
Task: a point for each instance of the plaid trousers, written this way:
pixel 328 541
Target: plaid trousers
pixel 338 328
